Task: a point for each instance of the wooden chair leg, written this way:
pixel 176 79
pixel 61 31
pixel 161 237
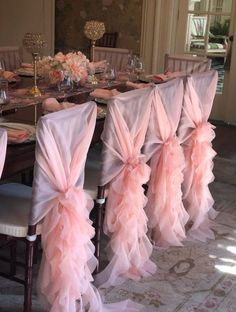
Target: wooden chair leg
pixel 28 275
pixel 100 201
pixel 13 258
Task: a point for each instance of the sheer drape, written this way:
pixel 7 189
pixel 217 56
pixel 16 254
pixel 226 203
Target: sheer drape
pixel 125 171
pixel 166 214
pixel 65 278
pixel 197 133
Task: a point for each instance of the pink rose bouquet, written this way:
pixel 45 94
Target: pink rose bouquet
pixel 73 65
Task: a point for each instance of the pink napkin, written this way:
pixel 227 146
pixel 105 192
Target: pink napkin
pixel 137 85
pixel 166 76
pixel 27 65
pixel 10 76
pixel 17 135
pixel 104 94
pixel 52 105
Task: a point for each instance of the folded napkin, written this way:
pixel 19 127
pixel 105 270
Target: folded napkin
pixel 104 94
pixel 9 76
pixel 27 65
pixel 138 85
pixel 17 135
pixel 18 132
pixel 122 76
pixel 166 76
pixel 97 67
pixel 52 105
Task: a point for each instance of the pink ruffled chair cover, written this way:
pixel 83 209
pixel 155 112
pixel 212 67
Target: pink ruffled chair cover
pixel 3 148
pixel 65 278
pixel 197 133
pixel 125 169
pixel 166 214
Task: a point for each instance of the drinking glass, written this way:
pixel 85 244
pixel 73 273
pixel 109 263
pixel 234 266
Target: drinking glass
pixel 4 96
pixel 139 68
pixel 110 75
pixel 2 66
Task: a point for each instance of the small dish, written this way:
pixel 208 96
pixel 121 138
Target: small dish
pixel 101 101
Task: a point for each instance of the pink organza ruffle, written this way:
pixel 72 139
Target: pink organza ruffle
pixel 166 214
pixel 64 253
pixel 197 175
pixel 129 248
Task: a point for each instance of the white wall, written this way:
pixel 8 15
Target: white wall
pixel 20 16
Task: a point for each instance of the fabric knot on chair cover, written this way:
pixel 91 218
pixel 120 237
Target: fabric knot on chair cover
pixel 69 193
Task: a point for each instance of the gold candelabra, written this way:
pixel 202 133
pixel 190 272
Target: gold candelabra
pixel 94 30
pixel 34 43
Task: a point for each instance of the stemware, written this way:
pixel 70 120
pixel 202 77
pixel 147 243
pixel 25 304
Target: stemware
pixel 110 75
pixel 2 66
pixel 139 68
pixel 4 97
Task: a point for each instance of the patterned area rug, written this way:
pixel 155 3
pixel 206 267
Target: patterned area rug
pixel 196 277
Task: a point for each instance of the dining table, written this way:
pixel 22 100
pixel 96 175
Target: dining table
pixel 25 108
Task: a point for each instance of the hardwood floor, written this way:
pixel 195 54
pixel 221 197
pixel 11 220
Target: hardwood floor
pixel 225 141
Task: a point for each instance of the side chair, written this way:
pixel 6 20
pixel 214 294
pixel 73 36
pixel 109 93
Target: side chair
pixel 55 207
pixel 117 57
pixel 186 63
pixel 108 40
pixel 196 135
pixel 120 192
pixel 12 56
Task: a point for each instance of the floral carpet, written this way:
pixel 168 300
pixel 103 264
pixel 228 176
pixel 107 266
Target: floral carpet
pixel 196 277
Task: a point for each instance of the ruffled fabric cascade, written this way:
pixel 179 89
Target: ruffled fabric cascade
pixel 166 214
pixel 125 170
pixel 65 276
pixel 64 281
pixel 199 156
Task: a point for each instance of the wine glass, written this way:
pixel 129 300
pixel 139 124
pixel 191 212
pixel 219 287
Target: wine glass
pixel 139 68
pixel 110 75
pixel 4 97
pixel 2 66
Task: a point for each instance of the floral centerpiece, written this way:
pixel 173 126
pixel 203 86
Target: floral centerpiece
pixel 73 65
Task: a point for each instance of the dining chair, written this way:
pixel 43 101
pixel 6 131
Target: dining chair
pixel 186 63
pixel 120 192
pixel 196 135
pixel 165 211
pixel 12 56
pixel 108 40
pixel 57 208
pixel 116 57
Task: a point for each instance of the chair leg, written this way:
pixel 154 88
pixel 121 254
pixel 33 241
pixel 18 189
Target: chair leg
pixel 28 275
pixel 98 234
pixel 13 258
